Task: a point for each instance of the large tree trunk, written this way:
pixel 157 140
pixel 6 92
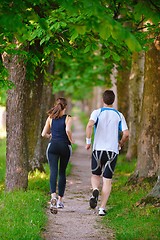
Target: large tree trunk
pixel 136 83
pixel 16 159
pixel 149 136
pixel 33 114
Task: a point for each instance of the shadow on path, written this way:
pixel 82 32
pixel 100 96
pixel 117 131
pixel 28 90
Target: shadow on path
pixel 77 221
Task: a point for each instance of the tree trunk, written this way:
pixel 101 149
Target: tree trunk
pixel 153 197
pixel 97 97
pixel 122 90
pixel 39 156
pixel 38 101
pixel 33 115
pixel 113 77
pixel 136 83
pixel 16 157
pixel 149 136
pixel 123 94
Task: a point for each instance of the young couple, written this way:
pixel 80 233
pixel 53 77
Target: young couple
pixel 107 123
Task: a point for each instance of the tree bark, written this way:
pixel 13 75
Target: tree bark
pixel 136 83
pixel 149 136
pixel 33 95
pixel 39 152
pixel 38 101
pixel 122 90
pixel 16 157
pixel 123 94
pixel 153 197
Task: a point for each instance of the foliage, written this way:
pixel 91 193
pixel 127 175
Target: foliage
pixel 83 38
pixel 128 220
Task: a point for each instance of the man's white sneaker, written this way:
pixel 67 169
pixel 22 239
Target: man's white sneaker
pixel 60 204
pixel 53 206
pixel 102 212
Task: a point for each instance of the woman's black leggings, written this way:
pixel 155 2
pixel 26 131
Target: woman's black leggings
pixel 58 154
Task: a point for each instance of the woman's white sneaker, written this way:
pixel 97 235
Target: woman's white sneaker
pixel 60 204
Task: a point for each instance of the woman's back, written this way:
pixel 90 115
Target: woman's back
pixel 58 130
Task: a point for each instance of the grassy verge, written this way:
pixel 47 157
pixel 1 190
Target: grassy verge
pixel 127 220
pixel 22 213
pixel 2 159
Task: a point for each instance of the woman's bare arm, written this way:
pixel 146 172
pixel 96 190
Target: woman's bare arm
pixel 68 128
pixel 47 129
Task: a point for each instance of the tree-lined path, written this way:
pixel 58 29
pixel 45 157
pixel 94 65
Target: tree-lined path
pixel 77 220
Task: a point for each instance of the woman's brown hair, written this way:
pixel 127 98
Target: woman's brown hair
pixel 60 105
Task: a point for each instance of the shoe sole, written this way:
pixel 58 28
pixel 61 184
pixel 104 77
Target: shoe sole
pixel 94 199
pixel 53 210
pixel 102 215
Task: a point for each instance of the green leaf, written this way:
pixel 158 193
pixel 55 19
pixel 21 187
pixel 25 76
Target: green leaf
pixel 132 43
pixel 107 55
pixel 104 33
pixel 74 36
pixel 81 29
pixel 116 57
pixel 56 25
pixel 87 49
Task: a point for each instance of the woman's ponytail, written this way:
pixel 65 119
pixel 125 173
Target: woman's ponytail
pixel 59 106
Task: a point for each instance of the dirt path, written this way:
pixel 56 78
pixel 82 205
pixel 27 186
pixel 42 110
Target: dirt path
pixel 77 221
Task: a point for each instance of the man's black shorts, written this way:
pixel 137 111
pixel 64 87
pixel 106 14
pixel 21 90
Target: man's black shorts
pixel 103 162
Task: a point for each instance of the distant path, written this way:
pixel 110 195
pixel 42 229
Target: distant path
pixel 77 221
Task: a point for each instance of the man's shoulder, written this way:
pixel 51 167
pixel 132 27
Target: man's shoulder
pixel 96 110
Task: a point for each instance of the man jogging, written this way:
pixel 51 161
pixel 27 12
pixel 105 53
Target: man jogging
pixel 107 122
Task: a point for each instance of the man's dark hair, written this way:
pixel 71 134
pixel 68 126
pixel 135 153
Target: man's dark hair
pixel 108 97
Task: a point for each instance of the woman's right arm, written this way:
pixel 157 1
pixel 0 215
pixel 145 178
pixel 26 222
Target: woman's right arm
pixel 68 128
pixel 47 129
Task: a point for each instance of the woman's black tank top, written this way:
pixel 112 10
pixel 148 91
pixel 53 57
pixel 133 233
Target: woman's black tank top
pixel 58 130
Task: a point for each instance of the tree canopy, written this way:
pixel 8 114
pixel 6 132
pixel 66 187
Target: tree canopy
pixel 83 38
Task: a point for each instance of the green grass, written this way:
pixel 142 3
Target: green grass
pixel 2 159
pixel 128 221
pixel 23 213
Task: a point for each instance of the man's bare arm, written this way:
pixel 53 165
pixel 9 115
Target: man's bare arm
pixel 89 130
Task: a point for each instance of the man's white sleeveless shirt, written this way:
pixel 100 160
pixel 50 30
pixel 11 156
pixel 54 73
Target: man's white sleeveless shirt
pixel 106 133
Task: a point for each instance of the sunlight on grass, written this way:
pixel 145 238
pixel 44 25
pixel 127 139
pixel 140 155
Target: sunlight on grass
pixel 37 174
pixel 127 220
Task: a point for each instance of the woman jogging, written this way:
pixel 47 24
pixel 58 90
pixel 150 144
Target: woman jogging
pixel 58 129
